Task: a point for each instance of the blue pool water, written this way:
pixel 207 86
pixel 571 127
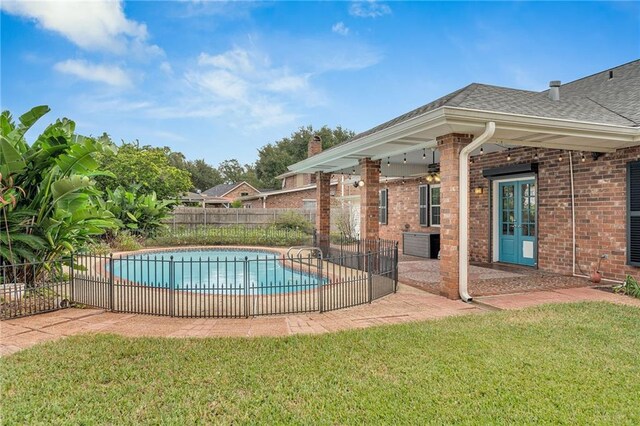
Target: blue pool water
pixel 216 271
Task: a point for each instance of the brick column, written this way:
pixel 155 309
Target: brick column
pixel 323 210
pixel 369 199
pixel 449 147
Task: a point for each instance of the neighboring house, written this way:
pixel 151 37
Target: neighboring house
pixel 548 180
pixel 220 196
pixel 298 190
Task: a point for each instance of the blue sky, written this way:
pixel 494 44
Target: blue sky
pixel 219 80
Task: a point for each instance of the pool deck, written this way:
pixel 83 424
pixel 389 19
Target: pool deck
pixel 407 305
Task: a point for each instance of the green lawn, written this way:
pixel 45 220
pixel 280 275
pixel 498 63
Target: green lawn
pixel 571 364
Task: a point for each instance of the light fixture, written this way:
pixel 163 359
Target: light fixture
pixel 405 158
pixel 429 178
pixel 582 157
pixel 481 150
pixel 358 184
pixel 433 169
pixel 508 154
pixel 478 190
pixel 470 160
pixel 560 157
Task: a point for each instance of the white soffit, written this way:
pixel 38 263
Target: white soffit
pixel 511 130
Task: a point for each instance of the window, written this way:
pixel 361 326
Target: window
pixel 309 204
pixel 244 194
pixel 633 213
pixel 423 205
pixel 434 205
pixel 382 206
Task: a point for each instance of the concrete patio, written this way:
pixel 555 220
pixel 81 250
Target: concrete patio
pixel 485 279
pixel 407 305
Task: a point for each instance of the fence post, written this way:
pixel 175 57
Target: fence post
pixel 171 285
pixel 320 284
pixel 205 217
pixel 395 267
pixel 246 286
pixel 370 275
pixel 111 271
pixel 72 284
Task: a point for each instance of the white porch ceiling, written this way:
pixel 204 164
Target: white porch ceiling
pixel 418 135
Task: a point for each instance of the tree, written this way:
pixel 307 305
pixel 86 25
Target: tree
pixel 273 159
pixel 147 167
pixel 48 199
pixel 203 175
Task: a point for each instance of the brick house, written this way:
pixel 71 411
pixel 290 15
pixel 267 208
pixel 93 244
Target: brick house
pixel 548 180
pixel 298 190
pixel 221 195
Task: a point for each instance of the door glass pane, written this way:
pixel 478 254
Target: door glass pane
pixel 525 230
pixel 504 229
pixel 532 230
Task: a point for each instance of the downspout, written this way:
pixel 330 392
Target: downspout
pixel 573 213
pixel 463 238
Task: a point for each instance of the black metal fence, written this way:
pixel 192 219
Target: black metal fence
pixel 190 285
pixel 32 288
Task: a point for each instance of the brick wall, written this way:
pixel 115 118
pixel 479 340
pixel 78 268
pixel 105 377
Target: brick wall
pixel 403 210
pixel 600 194
pixel 239 190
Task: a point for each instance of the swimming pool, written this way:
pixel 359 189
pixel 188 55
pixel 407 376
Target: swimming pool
pixel 218 271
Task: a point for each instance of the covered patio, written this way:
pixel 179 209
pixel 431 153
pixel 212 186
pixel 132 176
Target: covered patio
pixel 467 149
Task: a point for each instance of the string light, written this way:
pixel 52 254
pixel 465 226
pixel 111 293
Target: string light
pixel 508 154
pixel 481 150
pixel 424 153
pixel 582 157
pixel 405 158
pixel 403 180
pixel 535 155
pixel 388 162
pixel 560 157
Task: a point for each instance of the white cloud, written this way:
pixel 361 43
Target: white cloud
pixel 244 85
pixel 289 83
pixel 108 74
pixel 98 25
pixel 340 28
pixel 236 60
pixel 166 68
pixel 369 9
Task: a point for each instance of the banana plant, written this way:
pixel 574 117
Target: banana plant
pixel 141 213
pixel 50 204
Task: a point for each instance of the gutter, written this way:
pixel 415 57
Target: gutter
pixel 463 214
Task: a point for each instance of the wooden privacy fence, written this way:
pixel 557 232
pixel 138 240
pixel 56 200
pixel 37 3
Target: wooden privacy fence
pixel 192 216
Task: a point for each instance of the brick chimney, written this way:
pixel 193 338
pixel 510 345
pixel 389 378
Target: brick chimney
pixel 315 146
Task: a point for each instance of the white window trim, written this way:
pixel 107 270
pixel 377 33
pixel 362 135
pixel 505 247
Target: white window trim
pixel 430 206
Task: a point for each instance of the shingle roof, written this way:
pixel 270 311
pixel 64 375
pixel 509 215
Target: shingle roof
pixel 220 190
pixel 595 98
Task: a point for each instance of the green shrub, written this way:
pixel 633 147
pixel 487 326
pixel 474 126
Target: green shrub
pixel 143 213
pixel 236 235
pixel 630 287
pixel 99 247
pixel 293 220
pixel 125 241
